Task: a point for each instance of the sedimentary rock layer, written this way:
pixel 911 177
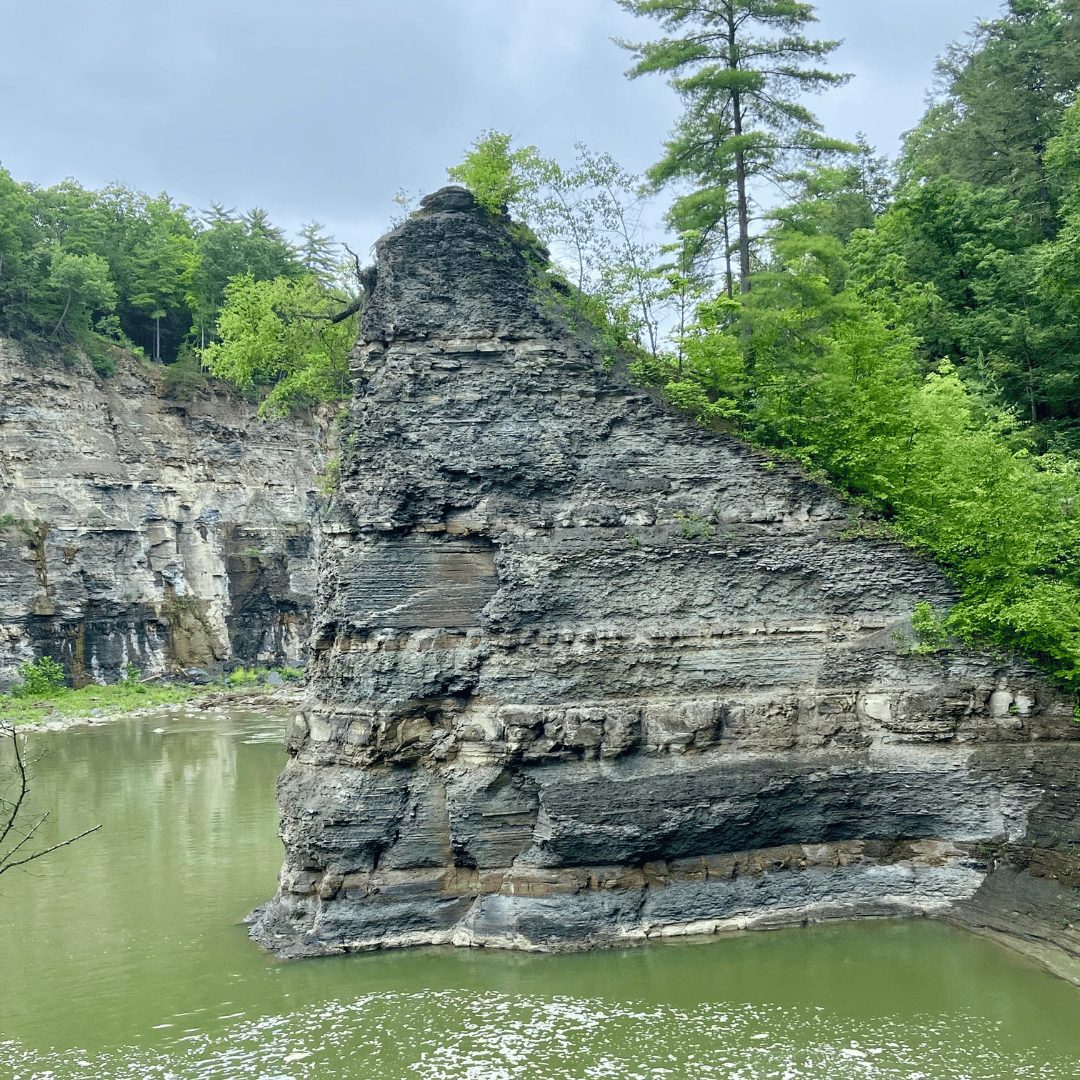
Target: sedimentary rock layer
pixel 585 673
pixel 139 529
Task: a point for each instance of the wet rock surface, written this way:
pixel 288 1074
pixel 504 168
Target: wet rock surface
pixel 584 673
pixel 139 529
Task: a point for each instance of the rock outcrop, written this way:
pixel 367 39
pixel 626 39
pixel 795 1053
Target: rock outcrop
pixel 137 529
pixel 585 673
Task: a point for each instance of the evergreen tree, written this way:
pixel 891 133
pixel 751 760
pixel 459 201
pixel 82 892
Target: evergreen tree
pixel 226 247
pixel 743 119
pixel 318 252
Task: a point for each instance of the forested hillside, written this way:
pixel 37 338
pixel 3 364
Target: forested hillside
pixel 910 329
pixel 919 340
pixel 117 267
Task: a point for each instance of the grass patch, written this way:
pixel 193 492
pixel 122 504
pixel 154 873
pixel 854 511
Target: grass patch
pixel 122 697
pixel 40 696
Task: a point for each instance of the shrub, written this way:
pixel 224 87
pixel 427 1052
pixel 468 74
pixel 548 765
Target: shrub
pixel 185 378
pixel 39 678
pixel 929 629
pixel 243 677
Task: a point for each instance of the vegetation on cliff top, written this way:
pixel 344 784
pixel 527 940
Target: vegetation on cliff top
pixel 909 331
pixel 118 267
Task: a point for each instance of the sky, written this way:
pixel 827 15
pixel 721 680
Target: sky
pixel 325 109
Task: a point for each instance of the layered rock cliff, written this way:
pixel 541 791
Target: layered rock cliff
pixel 139 529
pixel 585 673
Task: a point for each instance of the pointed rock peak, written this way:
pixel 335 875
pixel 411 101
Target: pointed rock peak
pixel 448 200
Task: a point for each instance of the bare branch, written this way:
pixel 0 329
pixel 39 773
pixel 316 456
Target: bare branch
pixel 19 769
pixel 356 263
pixel 11 812
pixel 45 851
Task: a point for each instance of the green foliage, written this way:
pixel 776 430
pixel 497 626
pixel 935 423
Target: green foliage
pixel 496 175
pixel 102 357
pixel 242 676
pixel 888 358
pixel 330 476
pixel 930 632
pixel 826 377
pixel 278 336
pixel 742 118
pixel 318 253
pixel 226 247
pixel 123 696
pixel 692 526
pixel 40 678
pixel 979 250
pixel 1001 96
pixel 581 228
pixel 186 378
pixel 136 269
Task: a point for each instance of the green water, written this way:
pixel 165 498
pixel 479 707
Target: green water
pixel 122 956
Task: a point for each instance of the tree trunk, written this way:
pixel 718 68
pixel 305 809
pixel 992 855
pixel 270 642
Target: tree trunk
pixel 740 166
pixel 67 305
pixel 744 216
pixel 729 277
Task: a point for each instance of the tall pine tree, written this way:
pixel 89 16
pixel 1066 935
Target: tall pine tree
pixel 740 67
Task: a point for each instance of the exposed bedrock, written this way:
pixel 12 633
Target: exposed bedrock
pixel 585 673
pixel 137 529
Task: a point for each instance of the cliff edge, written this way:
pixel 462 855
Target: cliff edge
pixel 584 673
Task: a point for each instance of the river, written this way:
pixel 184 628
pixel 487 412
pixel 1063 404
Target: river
pixel 123 956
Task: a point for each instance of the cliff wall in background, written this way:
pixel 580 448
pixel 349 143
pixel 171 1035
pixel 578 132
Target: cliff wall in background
pixel 584 673
pixel 136 529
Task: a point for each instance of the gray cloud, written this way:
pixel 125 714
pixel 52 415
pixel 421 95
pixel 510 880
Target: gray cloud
pixel 324 110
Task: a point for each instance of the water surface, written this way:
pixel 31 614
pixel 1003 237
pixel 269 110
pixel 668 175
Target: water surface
pixel 123 956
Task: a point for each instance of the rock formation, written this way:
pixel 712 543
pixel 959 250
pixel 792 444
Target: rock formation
pixel 137 529
pixel 585 673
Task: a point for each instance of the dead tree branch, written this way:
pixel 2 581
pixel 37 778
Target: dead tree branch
pixel 365 278
pixel 11 828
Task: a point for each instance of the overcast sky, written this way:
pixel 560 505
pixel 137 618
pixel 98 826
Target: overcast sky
pixel 325 109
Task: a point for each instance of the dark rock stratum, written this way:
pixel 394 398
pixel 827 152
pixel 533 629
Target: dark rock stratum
pixel 585 673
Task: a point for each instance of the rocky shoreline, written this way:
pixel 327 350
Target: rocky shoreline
pixel 283 699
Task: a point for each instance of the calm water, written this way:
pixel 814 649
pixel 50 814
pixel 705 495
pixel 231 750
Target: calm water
pixel 123 957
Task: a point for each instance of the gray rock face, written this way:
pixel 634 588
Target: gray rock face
pixel 585 673
pixel 138 529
